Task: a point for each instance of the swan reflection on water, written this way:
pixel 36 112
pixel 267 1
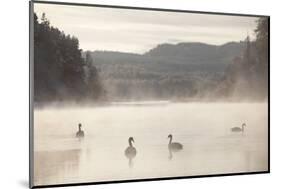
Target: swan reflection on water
pixel 130 151
pixel 173 146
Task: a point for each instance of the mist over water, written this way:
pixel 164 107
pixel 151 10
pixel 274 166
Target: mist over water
pixel 204 130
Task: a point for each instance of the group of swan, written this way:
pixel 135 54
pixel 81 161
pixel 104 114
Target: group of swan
pixel 131 151
pixel 172 145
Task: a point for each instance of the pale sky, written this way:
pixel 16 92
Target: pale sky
pixel 138 31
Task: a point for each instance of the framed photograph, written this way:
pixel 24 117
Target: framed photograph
pixel 125 94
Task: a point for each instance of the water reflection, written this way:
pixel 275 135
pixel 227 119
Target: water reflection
pixel 50 165
pixel 170 154
pixel 131 163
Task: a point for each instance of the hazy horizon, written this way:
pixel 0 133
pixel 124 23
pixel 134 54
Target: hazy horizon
pixel 137 31
pixel 156 45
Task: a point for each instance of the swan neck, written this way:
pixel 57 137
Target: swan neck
pixel 130 143
pixel 170 140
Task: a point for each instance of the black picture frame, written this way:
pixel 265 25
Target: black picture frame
pixel 31 81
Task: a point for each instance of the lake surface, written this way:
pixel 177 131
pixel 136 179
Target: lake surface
pixel 204 130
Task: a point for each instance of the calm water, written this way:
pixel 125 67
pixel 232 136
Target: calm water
pixel 204 129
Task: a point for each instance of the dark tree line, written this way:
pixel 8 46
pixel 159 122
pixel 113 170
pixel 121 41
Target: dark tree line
pixel 247 76
pixel 60 71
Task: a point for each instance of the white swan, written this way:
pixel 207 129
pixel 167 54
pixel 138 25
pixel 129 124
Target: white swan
pixel 174 146
pixel 80 132
pixel 130 151
pixel 238 129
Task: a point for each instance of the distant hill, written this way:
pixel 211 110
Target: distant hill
pixel 198 53
pixel 184 69
pixel 197 56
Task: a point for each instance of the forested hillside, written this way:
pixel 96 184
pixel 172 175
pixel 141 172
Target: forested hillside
pixel 247 76
pixel 60 72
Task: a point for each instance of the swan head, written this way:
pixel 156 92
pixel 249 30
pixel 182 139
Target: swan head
pixel 79 125
pixel 244 124
pixel 170 136
pixel 131 139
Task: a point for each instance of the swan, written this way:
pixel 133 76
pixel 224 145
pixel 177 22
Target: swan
pixel 174 146
pixel 80 132
pixel 130 151
pixel 238 129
